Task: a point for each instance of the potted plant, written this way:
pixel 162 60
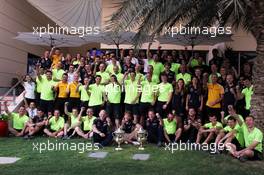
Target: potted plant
pixel 3 125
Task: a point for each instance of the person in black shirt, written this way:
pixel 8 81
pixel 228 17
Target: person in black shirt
pixel 216 59
pixel 191 126
pixel 128 65
pixel 102 129
pixel 170 74
pixel 230 93
pixel 154 128
pixel 45 62
pixel 35 124
pixel 129 128
pixel 194 97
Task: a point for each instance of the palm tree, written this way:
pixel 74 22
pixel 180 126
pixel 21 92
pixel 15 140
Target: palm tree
pixel 152 17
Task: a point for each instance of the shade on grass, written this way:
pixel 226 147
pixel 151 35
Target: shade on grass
pixel 121 162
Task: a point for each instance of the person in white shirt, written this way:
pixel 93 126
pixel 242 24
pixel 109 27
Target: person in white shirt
pixel 29 86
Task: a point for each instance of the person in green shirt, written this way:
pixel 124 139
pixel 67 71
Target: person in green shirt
pixel 104 75
pixel 246 93
pixel 97 95
pixel 253 141
pixel 72 122
pixel 17 121
pixel 158 67
pixel 154 78
pixel 47 94
pixel 118 75
pixel 84 92
pixel 184 75
pixel 87 124
pixel 164 96
pixel 113 99
pixel 171 132
pixel 57 72
pixel 174 66
pixel 148 97
pixel 132 94
pixel 110 66
pixel 55 125
pixel 209 131
pixel 230 134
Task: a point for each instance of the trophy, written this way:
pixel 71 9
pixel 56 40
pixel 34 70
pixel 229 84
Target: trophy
pixel 141 137
pixel 119 138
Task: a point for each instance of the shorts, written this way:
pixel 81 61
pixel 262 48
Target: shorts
pixel 257 155
pixel 133 108
pixel 143 108
pixel 236 142
pixel 113 110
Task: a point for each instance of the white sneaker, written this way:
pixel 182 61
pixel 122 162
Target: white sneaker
pixel 135 143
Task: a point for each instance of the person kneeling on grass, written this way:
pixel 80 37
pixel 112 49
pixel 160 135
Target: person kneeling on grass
pixel 171 132
pixel 87 124
pixel 253 141
pixel 35 124
pixel 209 130
pixel 102 129
pixel 130 128
pixel 230 134
pixel 17 122
pixel 54 125
pixel 72 122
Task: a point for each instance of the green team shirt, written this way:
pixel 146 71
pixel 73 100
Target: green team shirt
pixel 254 135
pixel 105 77
pixel 164 89
pixel 148 91
pixel 19 121
pixel 84 93
pixel 170 127
pixel 57 74
pixel 158 67
pixel 39 83
pixel 109 69
pixel 175 67
pixel 186 77
pixel 194 62
pixel 239 132
pixel 88 123
pixel 131 91
pixel 96 94
pixel 211 126
pixel 56 125
pixel 119 77
pixel 248 92
pixel 74 120
pixel 113 92
pixel 46 90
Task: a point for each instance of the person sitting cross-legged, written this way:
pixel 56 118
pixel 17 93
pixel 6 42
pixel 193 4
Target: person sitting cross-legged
pixel 17 122
pixel 154 128
pixel 87 124
pixel 171 132
pixel 54 125
pixel 35 125
pixel 209 130
pixel 102 129
pixel 130 128
pixel 253 141
pixel 72 122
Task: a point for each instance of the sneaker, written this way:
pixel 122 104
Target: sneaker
pixel 242 159
pixel 159 144
pixel 65 137
pixel 26 137
pixel 135 143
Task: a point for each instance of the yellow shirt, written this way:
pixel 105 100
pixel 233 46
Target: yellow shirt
pixel 214 92
pixel 73 92
pixel 55 60
pixel 62 87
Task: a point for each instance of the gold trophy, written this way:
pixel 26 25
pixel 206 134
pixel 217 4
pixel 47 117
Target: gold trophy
pixel 119 138
pixel 141 137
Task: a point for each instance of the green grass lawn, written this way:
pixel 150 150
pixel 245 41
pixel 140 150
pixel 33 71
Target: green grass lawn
pixel 160 162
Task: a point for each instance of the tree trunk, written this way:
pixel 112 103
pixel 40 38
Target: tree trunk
pixel 257 101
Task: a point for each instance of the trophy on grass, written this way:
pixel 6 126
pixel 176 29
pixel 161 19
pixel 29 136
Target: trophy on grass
pixel 119 138
pixel 141 137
